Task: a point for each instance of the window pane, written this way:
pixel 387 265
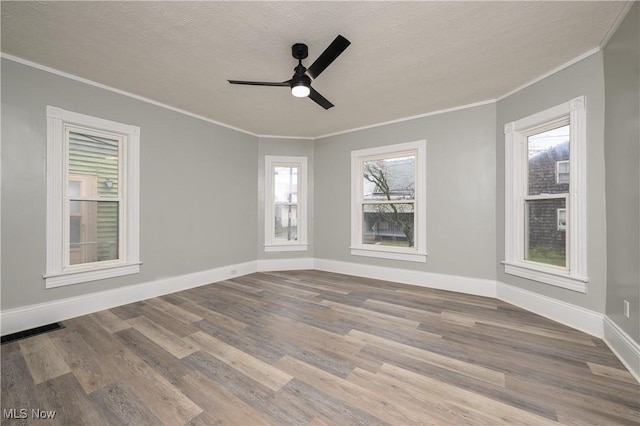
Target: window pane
pixel 95 159
pixel 545 242
pixel 285 185
pixel 388 224
pixel 389 178
pixel 546 151
pixel 286 222
pixel 93 231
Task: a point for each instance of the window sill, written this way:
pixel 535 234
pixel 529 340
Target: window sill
pixel 389 254
pixel 61 279
pixel 547 276
pixel 285 247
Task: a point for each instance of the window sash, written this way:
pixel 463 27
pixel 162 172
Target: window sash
pixel 527 235
pixel 68 176
pixel 365 201
pixel 120 139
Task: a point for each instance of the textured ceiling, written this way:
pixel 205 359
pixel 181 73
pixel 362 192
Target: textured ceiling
pixel 406 58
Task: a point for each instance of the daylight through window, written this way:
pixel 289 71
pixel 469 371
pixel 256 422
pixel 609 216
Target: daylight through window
pixel 285 203
pixel 388 205
pixel 545 197
pixel 92 186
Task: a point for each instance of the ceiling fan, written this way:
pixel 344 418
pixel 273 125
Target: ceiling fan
pixel 300 83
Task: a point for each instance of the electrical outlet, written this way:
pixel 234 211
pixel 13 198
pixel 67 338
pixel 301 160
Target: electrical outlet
pixel 626 308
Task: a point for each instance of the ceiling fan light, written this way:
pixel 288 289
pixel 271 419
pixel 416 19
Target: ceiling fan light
pixel 300 90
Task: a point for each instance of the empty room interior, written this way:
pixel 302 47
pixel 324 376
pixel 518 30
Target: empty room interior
pixel 320 212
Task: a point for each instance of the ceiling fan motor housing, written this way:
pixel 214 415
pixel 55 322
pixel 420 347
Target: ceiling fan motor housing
pixel 299 51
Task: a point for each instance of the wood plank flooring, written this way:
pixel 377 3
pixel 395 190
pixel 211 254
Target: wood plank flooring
pixel 310 347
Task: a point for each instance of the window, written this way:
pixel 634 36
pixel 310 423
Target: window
pixel 562 219
pixel 285 203
pixel 92 198
pixel 545 227
pixel 562 171
pixel 388 212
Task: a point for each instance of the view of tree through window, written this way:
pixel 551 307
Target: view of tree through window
pixel 547 195
pixel 388 201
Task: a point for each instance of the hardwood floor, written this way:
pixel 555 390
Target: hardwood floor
pixel 310 347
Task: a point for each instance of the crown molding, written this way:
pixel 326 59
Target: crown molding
pixel 616 24
pixel 385 123
pixel 118 91
pixel 413 117
pixel 550 73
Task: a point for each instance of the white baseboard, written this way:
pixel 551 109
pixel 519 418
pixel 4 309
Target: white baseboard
pixel 625 348
pixel 593 323
pixel 476 286
pixel 269 265
pixel 27 317
pixel 570 315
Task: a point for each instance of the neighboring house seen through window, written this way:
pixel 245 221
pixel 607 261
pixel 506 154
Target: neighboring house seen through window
pixel 388 202
pixel 545 234
pixel 92 198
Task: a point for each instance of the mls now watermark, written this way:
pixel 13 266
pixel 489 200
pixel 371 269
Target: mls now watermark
pixel 23 413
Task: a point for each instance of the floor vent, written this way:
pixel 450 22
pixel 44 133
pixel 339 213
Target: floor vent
pixel 31 332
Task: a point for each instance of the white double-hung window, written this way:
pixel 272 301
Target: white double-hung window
pixel 285 203
pixel 545 196
pixel 92 198
pixel 388 195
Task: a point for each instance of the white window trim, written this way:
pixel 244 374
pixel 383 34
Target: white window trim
pixel 574 276
pixel 57 274
pixel 418 253
pixel 271 244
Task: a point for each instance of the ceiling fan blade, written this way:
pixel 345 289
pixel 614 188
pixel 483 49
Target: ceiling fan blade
pixel 319 99
pixel 260 83
pixel 329 55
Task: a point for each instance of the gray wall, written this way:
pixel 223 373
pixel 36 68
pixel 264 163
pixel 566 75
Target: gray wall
pixel 202 185
pixel 583 78
pixel 285 147
pixel 461 166
pixel 197 183
pixel 622 158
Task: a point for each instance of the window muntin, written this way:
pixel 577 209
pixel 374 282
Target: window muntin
pixel 92 198
pixel 285 203
pixel 545 196
pixel 545 150
pixel 388 213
